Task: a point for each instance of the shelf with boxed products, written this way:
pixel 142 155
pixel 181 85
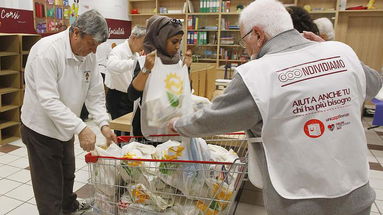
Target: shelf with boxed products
pixel 369 51
pixel 53 16
pixel 202 19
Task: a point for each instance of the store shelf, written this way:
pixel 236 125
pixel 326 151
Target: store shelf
pixel 231 30
pixel 142 14
pixel 203 30
pixel 230 45
pixel 323 12
pixel 206 59
pixel 203 14
pixel 10 62
pixel 8 107
pixel 231 13
pixel 9 140
pixel 7 124
pixel 172 14
pixel 8 90
pixel 8 72
pixel 9 100
pixel 206 45
pixel 10 133
pixel 2 54
pixel 224 60
pixel 9 44
pixel 360 11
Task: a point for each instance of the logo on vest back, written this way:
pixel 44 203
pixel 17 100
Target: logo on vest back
pixel 311 70
pixel 314 128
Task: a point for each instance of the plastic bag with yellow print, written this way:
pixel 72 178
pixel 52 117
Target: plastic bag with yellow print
pixel 189 178
pixel 167 94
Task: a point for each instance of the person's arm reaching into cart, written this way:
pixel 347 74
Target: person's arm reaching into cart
pixel 235 110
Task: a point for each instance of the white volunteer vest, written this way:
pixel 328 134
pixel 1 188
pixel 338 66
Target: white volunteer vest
pixel 310 101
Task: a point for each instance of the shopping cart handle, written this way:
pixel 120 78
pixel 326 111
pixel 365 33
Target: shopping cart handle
pixel 122 139
pixel 89 158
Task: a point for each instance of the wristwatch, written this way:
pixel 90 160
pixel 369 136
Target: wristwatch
pixel 145 71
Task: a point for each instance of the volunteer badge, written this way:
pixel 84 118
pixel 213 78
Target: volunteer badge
pixel 87 76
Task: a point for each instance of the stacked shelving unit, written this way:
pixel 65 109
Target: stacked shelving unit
pixel 26 43
pixel 221 46
pixel 9 88
pixel 14 49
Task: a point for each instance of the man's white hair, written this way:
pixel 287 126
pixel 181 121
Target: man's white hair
pixel 269 15
pixel 325 27
pixel 138 31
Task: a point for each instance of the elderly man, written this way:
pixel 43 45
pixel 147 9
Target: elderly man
pixel 121 66
pixel 60 76
pixel 304 99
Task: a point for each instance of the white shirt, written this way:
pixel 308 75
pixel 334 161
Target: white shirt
pixel 312 134
pixel 102 53
pixel 120 67
pixel 57 83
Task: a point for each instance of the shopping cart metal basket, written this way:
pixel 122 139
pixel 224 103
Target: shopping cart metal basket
pixel 149 186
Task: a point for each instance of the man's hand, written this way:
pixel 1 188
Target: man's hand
pixel 171 128
pixel 311 36
pixel 109 135
pixel 149 60
pixel 188 58
pixel 87 139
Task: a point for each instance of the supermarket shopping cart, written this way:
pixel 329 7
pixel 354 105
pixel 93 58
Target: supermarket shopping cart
pixel 148 186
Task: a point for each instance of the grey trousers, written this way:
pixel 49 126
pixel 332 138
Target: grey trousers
pixel 358 202
pixel 52 166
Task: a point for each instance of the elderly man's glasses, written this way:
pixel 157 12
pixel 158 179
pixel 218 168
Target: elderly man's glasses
pixel 242 42
pixel 172 21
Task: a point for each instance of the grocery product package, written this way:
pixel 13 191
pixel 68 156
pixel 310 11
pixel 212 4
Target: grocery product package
pixel 167 94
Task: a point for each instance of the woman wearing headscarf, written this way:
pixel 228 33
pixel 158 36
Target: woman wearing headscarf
pixel 163 39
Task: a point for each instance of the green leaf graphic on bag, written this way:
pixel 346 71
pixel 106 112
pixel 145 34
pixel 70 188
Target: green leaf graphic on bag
pixel 173 99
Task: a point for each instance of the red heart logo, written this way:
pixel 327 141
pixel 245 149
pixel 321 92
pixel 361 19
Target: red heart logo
pixel 331 127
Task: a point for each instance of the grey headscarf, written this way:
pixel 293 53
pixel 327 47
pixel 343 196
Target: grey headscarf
pixel 159 29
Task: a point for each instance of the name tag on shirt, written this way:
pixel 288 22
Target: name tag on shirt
pixel 86 77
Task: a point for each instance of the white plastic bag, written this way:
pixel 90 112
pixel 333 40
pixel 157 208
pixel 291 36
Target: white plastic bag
pixel 167 94
pixel 189 178
pixel 139 171
pixel 139 196
pixel 200 102
pixel 220 154
pixel 103 173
